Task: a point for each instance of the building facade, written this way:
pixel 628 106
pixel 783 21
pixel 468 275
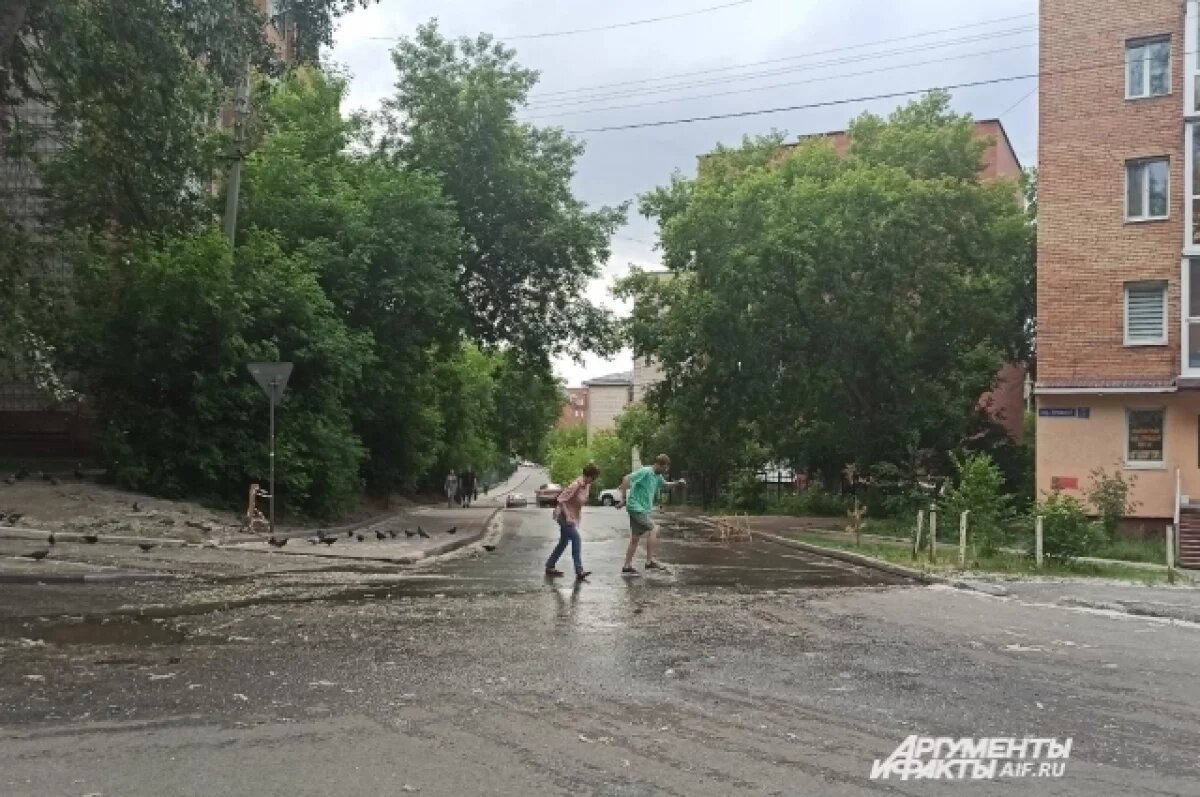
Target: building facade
pixel 574 411
pixel 608 396
pixel 1118 333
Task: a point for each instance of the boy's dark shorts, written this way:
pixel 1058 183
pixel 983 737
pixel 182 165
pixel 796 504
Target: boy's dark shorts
pixel 640 523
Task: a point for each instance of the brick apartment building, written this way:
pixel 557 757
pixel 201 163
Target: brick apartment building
pixel 1119 249
pixel 574 411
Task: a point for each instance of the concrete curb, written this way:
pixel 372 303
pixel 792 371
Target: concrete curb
pixel 406 559
pixel 40 535
pixel 859 559
pixel 85 578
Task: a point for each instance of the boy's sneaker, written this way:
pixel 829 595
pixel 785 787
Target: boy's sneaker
pixel 582 576
pixel 553 572
pixel 655 566
pixel 629 571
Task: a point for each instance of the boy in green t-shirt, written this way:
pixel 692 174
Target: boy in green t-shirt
pixel 639 491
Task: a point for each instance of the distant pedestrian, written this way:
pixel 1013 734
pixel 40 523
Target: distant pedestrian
pixel 451 488
pixel 466 483
pixel 567 513
pixel 639 490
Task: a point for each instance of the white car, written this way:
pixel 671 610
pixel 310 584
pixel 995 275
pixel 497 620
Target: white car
pixel 515 500
pixel 611 497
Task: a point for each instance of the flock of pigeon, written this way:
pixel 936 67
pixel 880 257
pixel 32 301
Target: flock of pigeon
pixel 381 535
pixel 52 540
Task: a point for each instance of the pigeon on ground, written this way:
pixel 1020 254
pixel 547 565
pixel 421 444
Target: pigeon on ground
pixel 147 546
pixel 91 539
pixel 392 532
pixel 359 537
pixel 51 539
pixel 489 548
pixel 274 543
pixel 137 507
pixel 329 540
pixel 14 518
pixel 379 535
pixel 349 533
pixel 409 533
pixel 452 530
pixel 422 534
pixel 314 541
pixel 38 556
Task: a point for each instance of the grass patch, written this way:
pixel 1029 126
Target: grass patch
pixel 1009 563
pixel 1127 550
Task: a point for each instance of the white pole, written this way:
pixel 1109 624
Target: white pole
pixel 1037 541
pixel 917 536
pixel 962 540
pixel 1170 553
pixel 932 535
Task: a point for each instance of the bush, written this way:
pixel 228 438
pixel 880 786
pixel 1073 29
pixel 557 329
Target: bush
pixel 813 502
pixel 1109 494
pixel 747 493
pixel 980 491
pixel 1066 531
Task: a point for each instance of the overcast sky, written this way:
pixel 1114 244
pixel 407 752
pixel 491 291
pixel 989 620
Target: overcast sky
pixel 817 51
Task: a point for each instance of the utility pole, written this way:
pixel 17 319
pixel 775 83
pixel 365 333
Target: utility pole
pixel 241 111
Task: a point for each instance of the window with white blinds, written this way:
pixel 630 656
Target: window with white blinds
pixel 1145 313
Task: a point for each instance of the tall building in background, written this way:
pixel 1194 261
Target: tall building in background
pixel 574 411
pixel 608 396
pixel 1118 333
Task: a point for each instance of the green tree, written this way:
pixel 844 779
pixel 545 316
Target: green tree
pixel 161 339
pixel 836 310
pixel 530 245
pixel 388 244
pixel 979 489
pixel 529 400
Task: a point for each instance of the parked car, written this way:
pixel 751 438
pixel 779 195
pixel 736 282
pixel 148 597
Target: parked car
pixel 611 497
pixel 515 500
pixel 547 494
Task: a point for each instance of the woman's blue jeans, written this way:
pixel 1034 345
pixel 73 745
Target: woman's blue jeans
pixel 568 533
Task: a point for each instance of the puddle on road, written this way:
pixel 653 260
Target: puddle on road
pixel 110 631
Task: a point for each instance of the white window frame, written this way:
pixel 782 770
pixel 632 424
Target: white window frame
pixel 1134 162
pixel 1159 341
pixel 1191 59
pixel 1138 44
pixel 1160 464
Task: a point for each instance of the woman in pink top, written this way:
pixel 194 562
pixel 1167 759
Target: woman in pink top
pixel 567 513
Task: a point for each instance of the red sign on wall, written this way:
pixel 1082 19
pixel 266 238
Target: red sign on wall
pixel 1064 482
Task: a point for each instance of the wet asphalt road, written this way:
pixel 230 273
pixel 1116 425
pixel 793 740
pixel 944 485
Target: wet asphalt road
pixel 747 670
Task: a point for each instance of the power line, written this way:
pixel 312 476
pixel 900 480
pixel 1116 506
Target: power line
pixel 850 100
pixel 598 28
pixel 1016 104
pixel 806 106
pixel 784 71
pixel 844 48
pixel 824 78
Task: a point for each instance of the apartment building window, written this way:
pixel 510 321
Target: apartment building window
pixel 1147 189
pixel 1148 68
pixel 1144 437
pixel 1191 315
pixel 1145 313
